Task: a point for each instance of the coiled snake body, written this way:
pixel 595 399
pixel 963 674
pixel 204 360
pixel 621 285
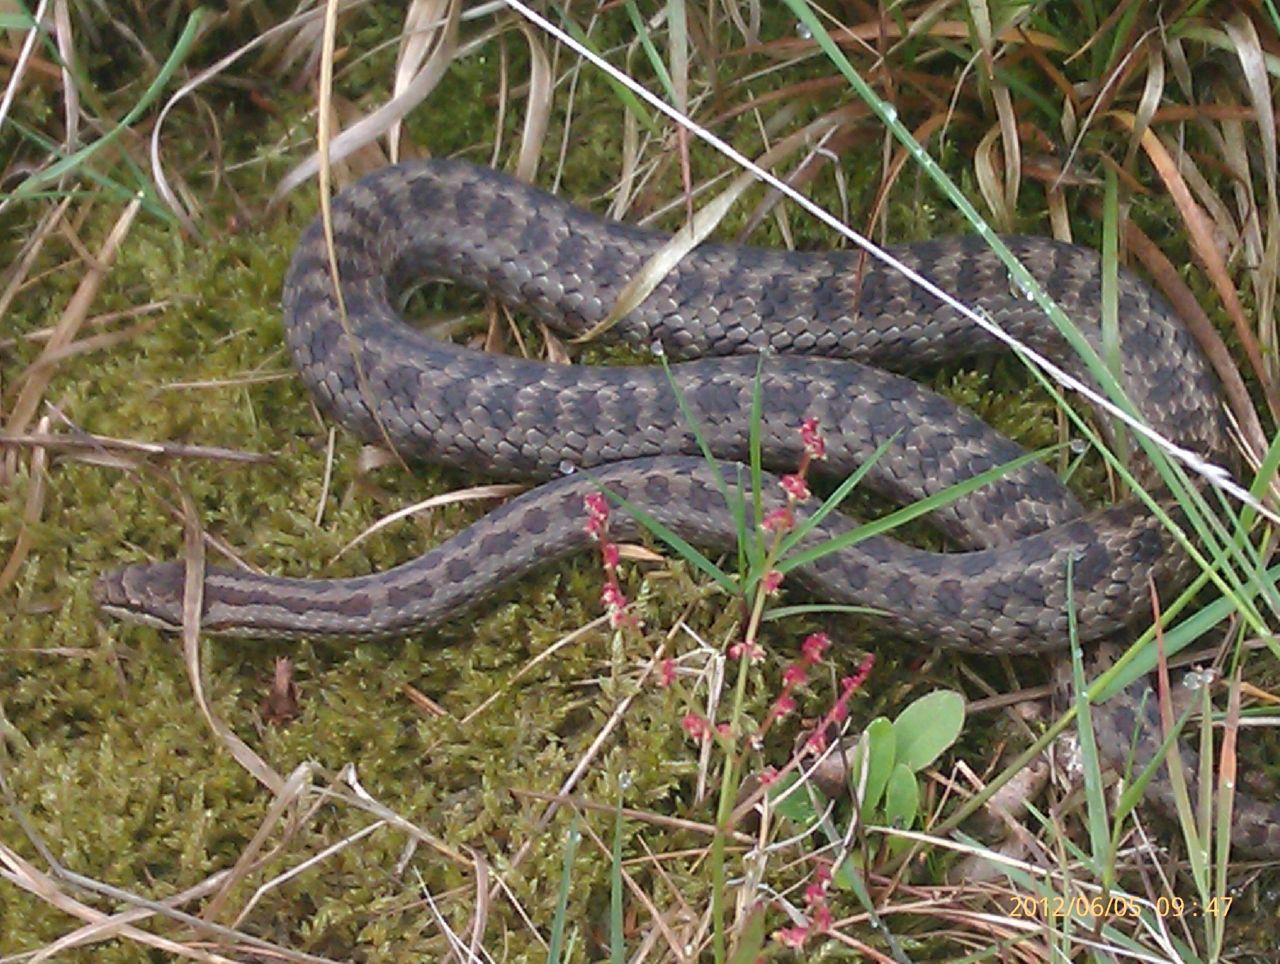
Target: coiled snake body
pixel 504 416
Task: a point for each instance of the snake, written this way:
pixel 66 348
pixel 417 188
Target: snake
pixel 749 334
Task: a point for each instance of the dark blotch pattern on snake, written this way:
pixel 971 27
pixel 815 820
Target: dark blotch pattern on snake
pixel 832 323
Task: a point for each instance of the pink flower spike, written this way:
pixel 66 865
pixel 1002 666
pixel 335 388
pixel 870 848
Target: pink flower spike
pixel 794 675
pixel 696 726
pixel 596 505
pixel 768 776
pixel 796 487
pixel 820 919
pixel 791 936
pixel 814 646
pixel 752 652
pixel 779 520
pixel 772 580
pixel 666 673
pixel 783 705
pixel 814 444
pixel 851 683
pixel 612 596
pixel 817 741
pixel 610 554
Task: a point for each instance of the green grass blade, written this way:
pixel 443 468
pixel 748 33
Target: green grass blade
pixel 1172 474
pixel 733 498
pixel 837 497
pixel 679 545
pixel 556 943
pixel 810 609
pixel 617 947
pixel 54 172
pixel 650 51
pixel 913 511
pixel 628 100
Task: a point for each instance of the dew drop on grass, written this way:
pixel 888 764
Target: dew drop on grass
pixel 1021 288
pixel 1196 680
pixel 566 467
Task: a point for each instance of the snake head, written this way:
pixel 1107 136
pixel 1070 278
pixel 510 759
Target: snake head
pixel 148 594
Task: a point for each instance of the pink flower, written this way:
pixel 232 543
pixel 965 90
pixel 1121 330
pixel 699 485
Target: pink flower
pixel 814 444
pixel 612 596
pixel 697 727
pixel 666 673
pixel 616 603
pixel 597 505
pixel 771 581
pixel 779 520
pixel 820 920
pixel 768 776
pixel 752 651
pixel 609 553
pixel 839 711
pixel 822 874
pixel 796 487
pixel 851 683
pixel 794 675
pixel 816 893
pixel 784 704
pixel 791 936
pixel 814 646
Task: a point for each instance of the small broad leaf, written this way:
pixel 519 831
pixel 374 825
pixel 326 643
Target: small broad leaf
pixel 927 727
pixel 901 797
pixel 875 751
pixel 796 805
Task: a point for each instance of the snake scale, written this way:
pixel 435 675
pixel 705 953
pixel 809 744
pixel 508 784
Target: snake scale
pixel 823 328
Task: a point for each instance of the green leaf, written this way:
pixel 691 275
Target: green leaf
pixel 901 797
pixel 796 805
pixel 927 727
pixel 878 748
